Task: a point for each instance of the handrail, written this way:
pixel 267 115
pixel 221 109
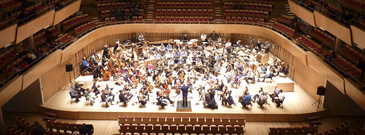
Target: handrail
pixel 261 24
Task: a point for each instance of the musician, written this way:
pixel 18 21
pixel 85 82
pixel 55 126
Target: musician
pixel 94 59
pixel 169 47
pixel 95 88
pixel 143 97
pixel 78 88
pixel 105 98
pixel 279 99
pixel 123 97
pixel 213 36
pixel 184 53
pixel 257 96
pixel 117 44
pixel 150 68
pixel 109 91
pixel 140 38
pixel 162 47
pixel 89 97
pixel 85 67
pixel 75 94
pixel 246 100
pixel 106 53
pixel 258 46
pixel 157 55
pixel 252 42
pixel 263 99
pixel 185 37
pixel 203 36
pixel 219 40
pixel 267 47
pixel 185 90
pixel 283 69
pixel 269 75
pixel 275 93
pixel 162 98
pixel 227 98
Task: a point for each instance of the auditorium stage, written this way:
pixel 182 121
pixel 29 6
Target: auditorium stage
pixel 298 105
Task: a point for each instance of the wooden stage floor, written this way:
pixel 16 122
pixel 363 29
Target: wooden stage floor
pixel 297 106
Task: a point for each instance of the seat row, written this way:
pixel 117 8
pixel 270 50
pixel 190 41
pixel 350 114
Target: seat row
pixel 184 5
pixel 114 5
pixel 197 12
pixel 184 18
pixel 354 56
pixel 287 30
pixel 293 130
pixel 253 1
pixel 339 130
pixel 75 21
pixel 65 38
pixel 85 27
pixel 113 20
pixel 205 129
pixel 64 126
pixel 244 19
pixel 304 40
pixel 353 5
pixel 323 37
pixel 182 120
pixel 256 6
pixel 23 124
pixel 108 13
pixel 285 20
pixel 9 130
pixel 251 13
pixel 346 66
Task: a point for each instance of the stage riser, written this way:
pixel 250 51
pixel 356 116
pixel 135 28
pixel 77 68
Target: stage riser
pixel 79 115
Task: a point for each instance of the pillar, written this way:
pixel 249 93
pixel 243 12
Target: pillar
pixel 30 42
pixel 338 44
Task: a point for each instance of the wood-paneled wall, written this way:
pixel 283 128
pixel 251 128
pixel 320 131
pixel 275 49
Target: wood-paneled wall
pixel 66 12
pixel 34 26
pixel 333 27
pixel 302 13
pixel 358 36
pixel 42 67
pixel 8 35
pixel 10 89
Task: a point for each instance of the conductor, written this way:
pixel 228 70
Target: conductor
pixel 185 91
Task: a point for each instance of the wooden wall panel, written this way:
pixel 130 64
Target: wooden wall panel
pixel 333 27
pixel 355 94
pixel 358 36
pixel 66 12
pixel 322 68
pixel 42 67
pixel 308 78
pixel 7 35
pixel 10 89
pixel 34 26
pixel 302 13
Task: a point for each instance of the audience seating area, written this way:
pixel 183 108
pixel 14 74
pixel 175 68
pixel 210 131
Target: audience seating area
pixel 184 18
pixel 63 126
pixel 287 30
pixel 181 125
pixel 75 21
pixel 304 40
pixel 293 130
pixel 85 27
pixel 285 20
pixel 184 5
pixel 248 13
pixel 323 37
pixel 23 126
pixel 182 12
pixel 65 38
pixel 339 130
pixel 272 2
pixel 240 19
pixel 254 6
pixel 352 55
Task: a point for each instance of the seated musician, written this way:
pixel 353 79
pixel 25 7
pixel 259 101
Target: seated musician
pixel 279 99
pixel 203 37
pixel 227 98
pixel 185 37
pixel 219 40
pixel 116 46
pixel 162 98
pixel 85 67
pixel 105 98
pixel 162 47
pixel 150 68
pixel 257 96
pixel 140 38
pixel 269 75
pixel 143 97
pixel 283 69
pixel 109 91
pixel 168 55
pixel 95 88
pixel 157 55
pixel 262 99
pixel 267 47
pixel 246 99
pixel 78 88
pixel 123 97
pixel 183 53
pixel 75 94
pixel 275 93
pixel 106 53
pixel 97 72
pixel 169 47
pixel 89 96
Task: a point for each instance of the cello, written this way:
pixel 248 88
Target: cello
pixel 167 89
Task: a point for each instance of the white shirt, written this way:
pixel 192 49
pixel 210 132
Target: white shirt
pixel 228 44
pixel 203 37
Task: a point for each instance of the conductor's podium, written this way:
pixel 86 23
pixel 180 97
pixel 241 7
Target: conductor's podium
pixel 284 83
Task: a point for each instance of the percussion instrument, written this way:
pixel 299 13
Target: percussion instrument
pixel 262 57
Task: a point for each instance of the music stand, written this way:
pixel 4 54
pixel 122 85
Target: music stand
pixel 318 102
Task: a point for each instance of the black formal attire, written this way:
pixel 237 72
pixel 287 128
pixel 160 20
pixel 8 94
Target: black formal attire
pixel 185 91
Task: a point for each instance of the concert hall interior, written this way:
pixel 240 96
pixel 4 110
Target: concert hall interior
pixel 167 67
